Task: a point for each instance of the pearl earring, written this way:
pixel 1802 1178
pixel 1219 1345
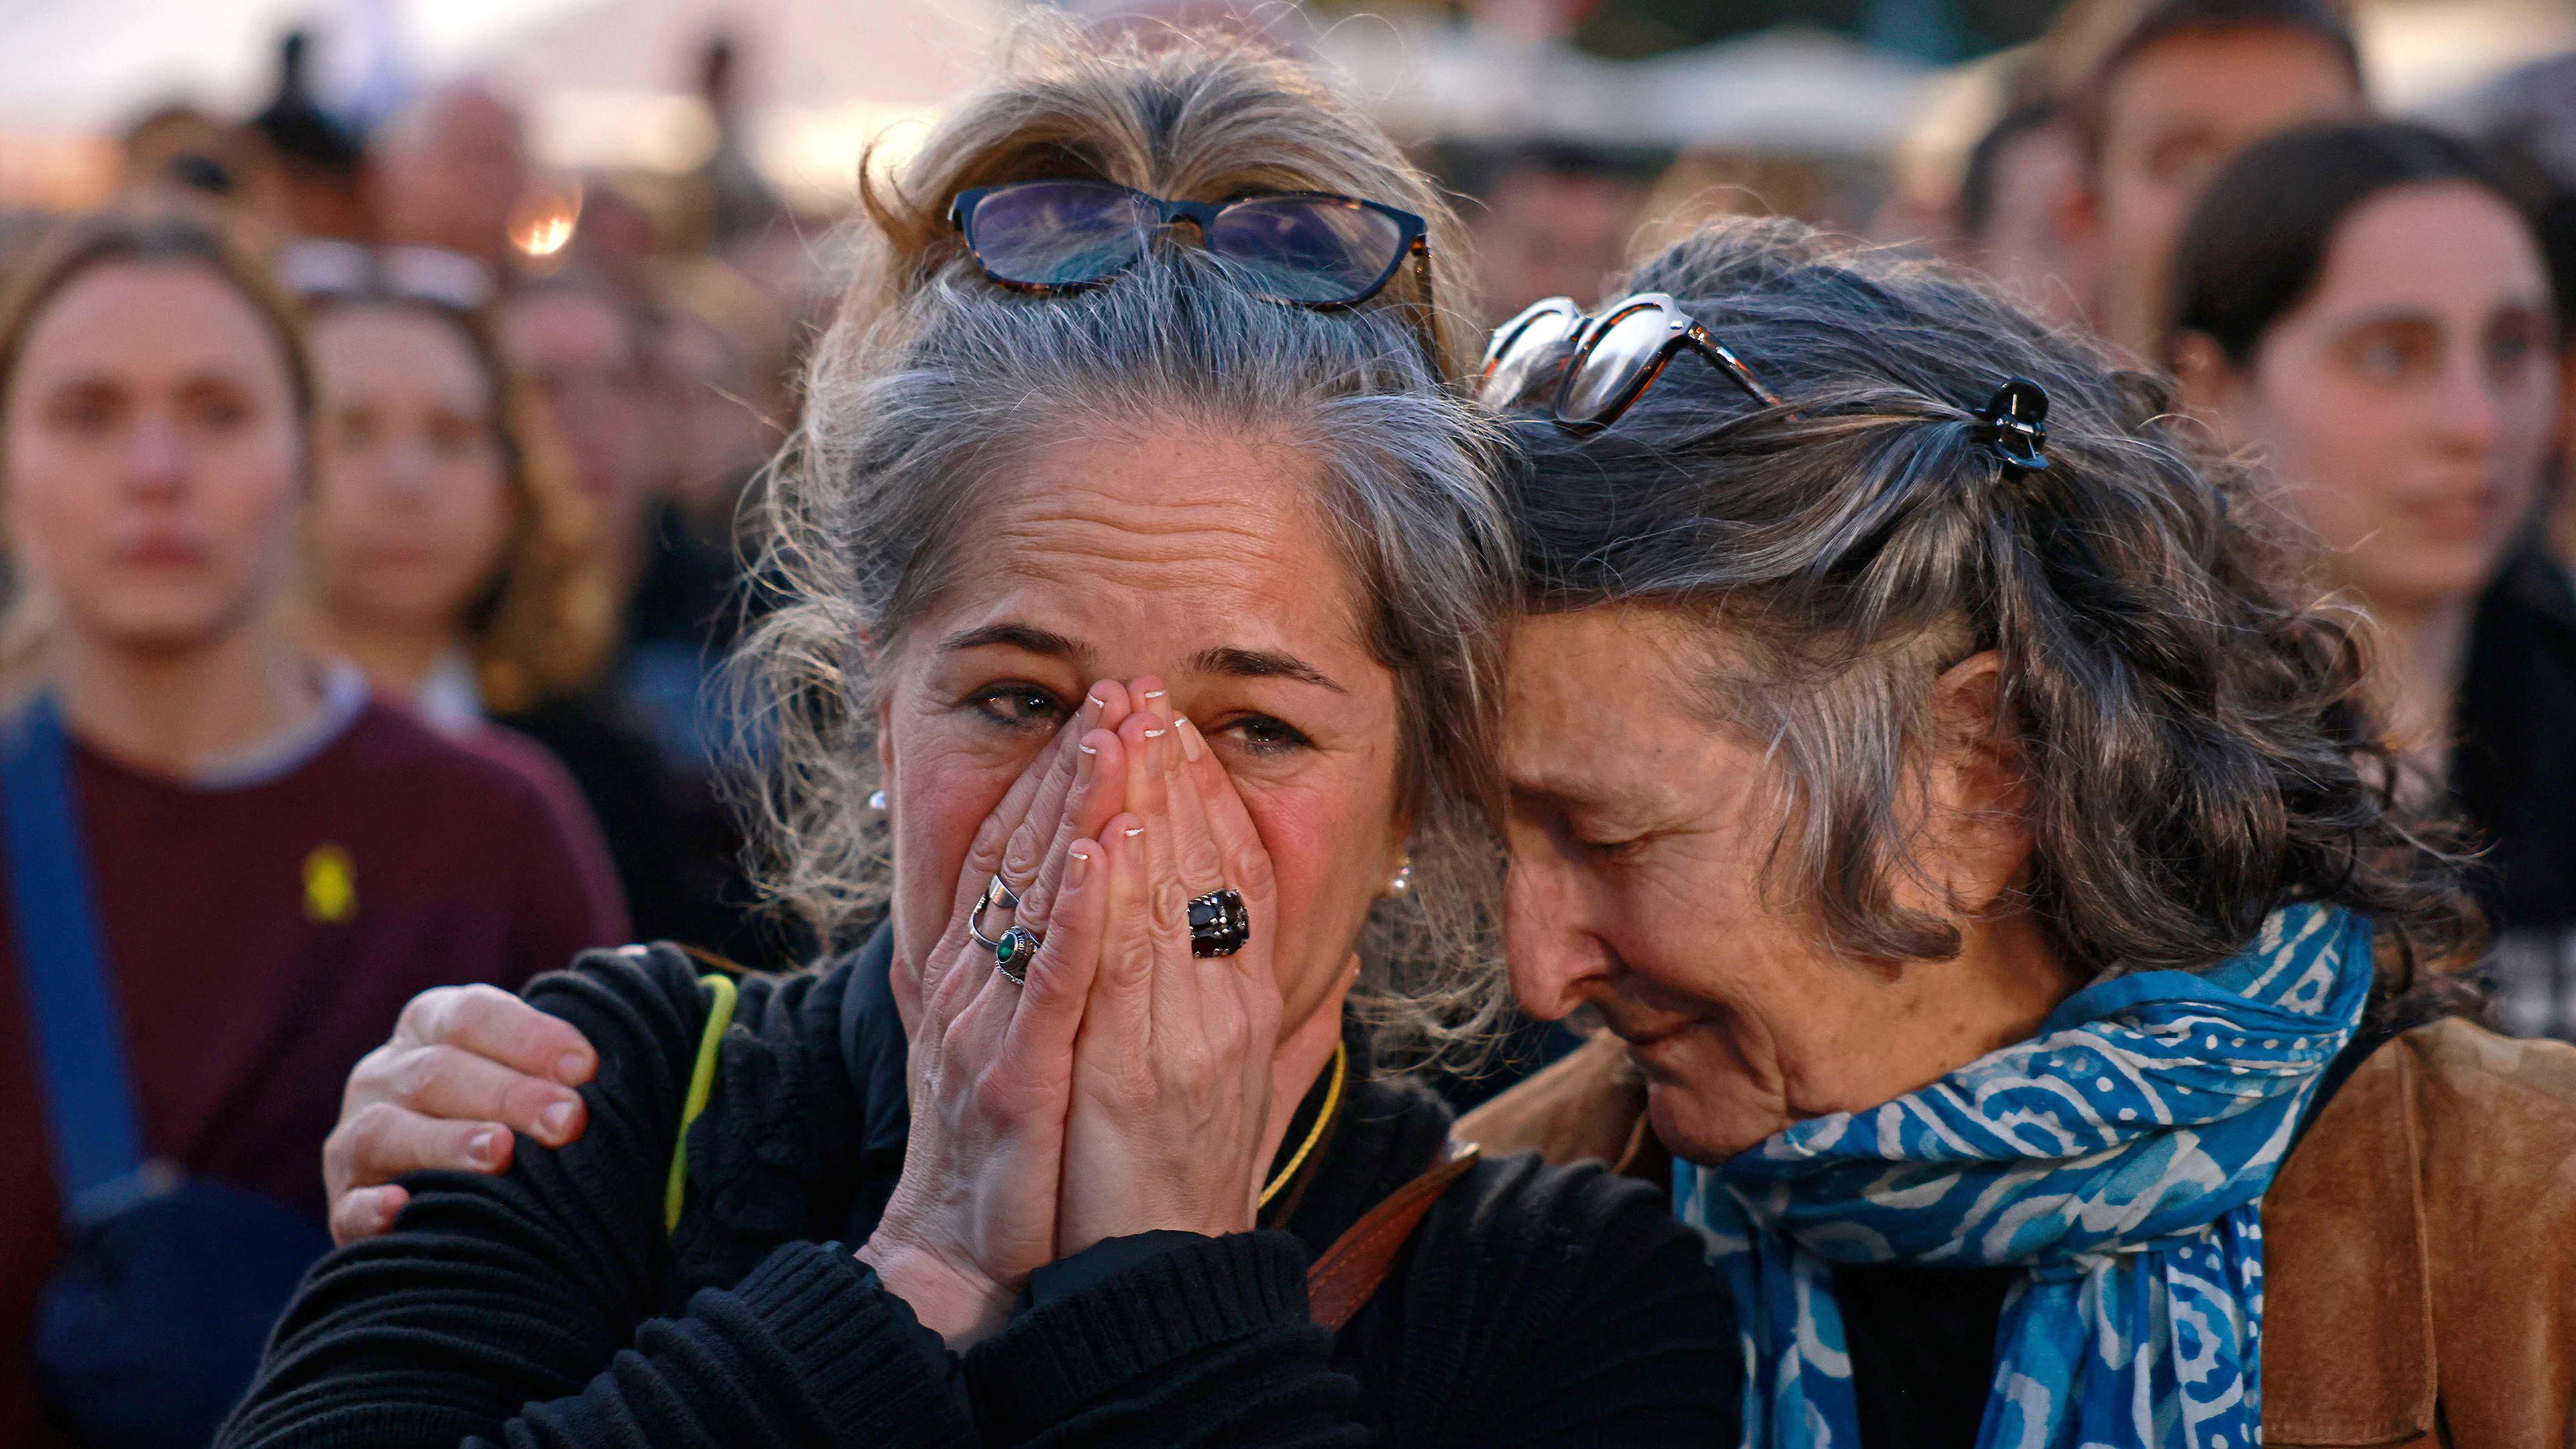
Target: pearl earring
pixel 876 802
pixel 1401 881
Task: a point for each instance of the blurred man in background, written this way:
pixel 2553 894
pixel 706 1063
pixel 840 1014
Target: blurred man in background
pixel 448 171
pixel 1556 220
pixel 2162 95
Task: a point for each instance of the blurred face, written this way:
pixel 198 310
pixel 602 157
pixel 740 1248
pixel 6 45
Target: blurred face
pixel 411 506
pixel 715 435
pixel 1639 833
pixel 2023 245
pixel 451 176
pixel 581 353
pixel 1548 234
pixel 1193 558
pixel 2406 406
pixel 2176 113
pixel 153 456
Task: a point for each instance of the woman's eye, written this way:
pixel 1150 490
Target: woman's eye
pixel 451 436
pixel 83 411
pixel 1265 735
pixel 1019 705
pixel 2387 360
pixel 219 410
pixel 2512 347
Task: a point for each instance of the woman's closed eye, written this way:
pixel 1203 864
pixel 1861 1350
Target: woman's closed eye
pixel 1611 845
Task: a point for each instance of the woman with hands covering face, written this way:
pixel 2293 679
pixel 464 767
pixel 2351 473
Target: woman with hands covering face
pixel 1147 630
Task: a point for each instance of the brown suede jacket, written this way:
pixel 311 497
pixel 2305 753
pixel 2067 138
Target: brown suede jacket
pixel 2419 1260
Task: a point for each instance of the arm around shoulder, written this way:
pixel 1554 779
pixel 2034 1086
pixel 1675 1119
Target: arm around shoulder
pixel 519 1309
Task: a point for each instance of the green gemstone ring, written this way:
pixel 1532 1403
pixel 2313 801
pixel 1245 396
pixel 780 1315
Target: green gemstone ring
pixel 1015 947
pixel 1011 955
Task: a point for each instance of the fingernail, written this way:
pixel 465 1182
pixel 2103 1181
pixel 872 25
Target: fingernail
pixel 1077 868
pixel 1191 744
pixel 485 1146
pixel 557 1120
pixel 572 1069
pixel 1086 749
pixel 1135 830
pixel 1154 734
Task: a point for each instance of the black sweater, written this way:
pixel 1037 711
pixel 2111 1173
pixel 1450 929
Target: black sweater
pixel 550 1307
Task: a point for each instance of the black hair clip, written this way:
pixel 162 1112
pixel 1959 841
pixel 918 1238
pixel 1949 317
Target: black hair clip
pixel 2014 423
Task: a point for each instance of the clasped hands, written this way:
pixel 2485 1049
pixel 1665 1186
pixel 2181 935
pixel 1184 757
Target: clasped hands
pixel 1126 1086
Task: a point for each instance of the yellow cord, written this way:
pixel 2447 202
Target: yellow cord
pixel 1332 1096
pixel 702 1083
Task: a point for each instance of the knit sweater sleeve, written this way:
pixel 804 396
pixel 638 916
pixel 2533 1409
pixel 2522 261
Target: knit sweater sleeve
pixel 519 1309
pixel 1535 1306
pixel 1203 1344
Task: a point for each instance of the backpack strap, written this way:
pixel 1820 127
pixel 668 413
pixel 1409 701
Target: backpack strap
pixel 1351 1271
pixel 702 1084
pixel 90 1118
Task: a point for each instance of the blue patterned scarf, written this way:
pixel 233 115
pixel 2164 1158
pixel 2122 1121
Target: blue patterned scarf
pixel 2120 1155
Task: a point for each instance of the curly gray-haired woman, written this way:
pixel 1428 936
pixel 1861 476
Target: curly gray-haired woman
pixel 1142 594
pixel 1987 855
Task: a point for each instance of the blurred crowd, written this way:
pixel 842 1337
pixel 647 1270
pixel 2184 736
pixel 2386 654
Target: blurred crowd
pixel 380 508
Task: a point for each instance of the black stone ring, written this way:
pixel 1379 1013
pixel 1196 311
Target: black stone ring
pixel 1219 925
pixel 1014 948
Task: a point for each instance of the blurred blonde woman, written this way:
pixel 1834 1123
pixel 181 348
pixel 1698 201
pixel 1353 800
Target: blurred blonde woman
pixel 449 555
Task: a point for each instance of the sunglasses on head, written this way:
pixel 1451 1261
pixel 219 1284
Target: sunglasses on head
pixel 1304 248
pixel 1617 355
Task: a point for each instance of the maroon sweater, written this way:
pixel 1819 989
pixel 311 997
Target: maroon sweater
pixel 264 938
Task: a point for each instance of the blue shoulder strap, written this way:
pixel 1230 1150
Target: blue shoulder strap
pixel 89 1095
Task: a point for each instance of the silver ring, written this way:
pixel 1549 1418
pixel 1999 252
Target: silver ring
pixel 1015 947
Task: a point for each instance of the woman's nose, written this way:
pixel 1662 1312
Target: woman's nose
pixel 158 459
pixel 2470 410
pixel 1547 941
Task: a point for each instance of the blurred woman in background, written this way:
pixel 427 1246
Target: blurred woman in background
pixel 449 557
pixel 252 866
pixel 443 557
pixel 2365 308
pixel 449 554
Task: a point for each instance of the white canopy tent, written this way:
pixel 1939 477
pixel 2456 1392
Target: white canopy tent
pixel 1797 91
pixel 607 82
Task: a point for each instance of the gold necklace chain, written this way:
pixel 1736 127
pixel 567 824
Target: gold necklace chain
pixel 1332 1097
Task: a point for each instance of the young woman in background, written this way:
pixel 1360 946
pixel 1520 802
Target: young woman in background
pixel 443 556
pixel 2365 308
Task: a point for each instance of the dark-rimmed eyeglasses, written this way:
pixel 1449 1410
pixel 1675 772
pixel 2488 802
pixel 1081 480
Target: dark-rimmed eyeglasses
pixel 1304 248
pixel 1617 355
